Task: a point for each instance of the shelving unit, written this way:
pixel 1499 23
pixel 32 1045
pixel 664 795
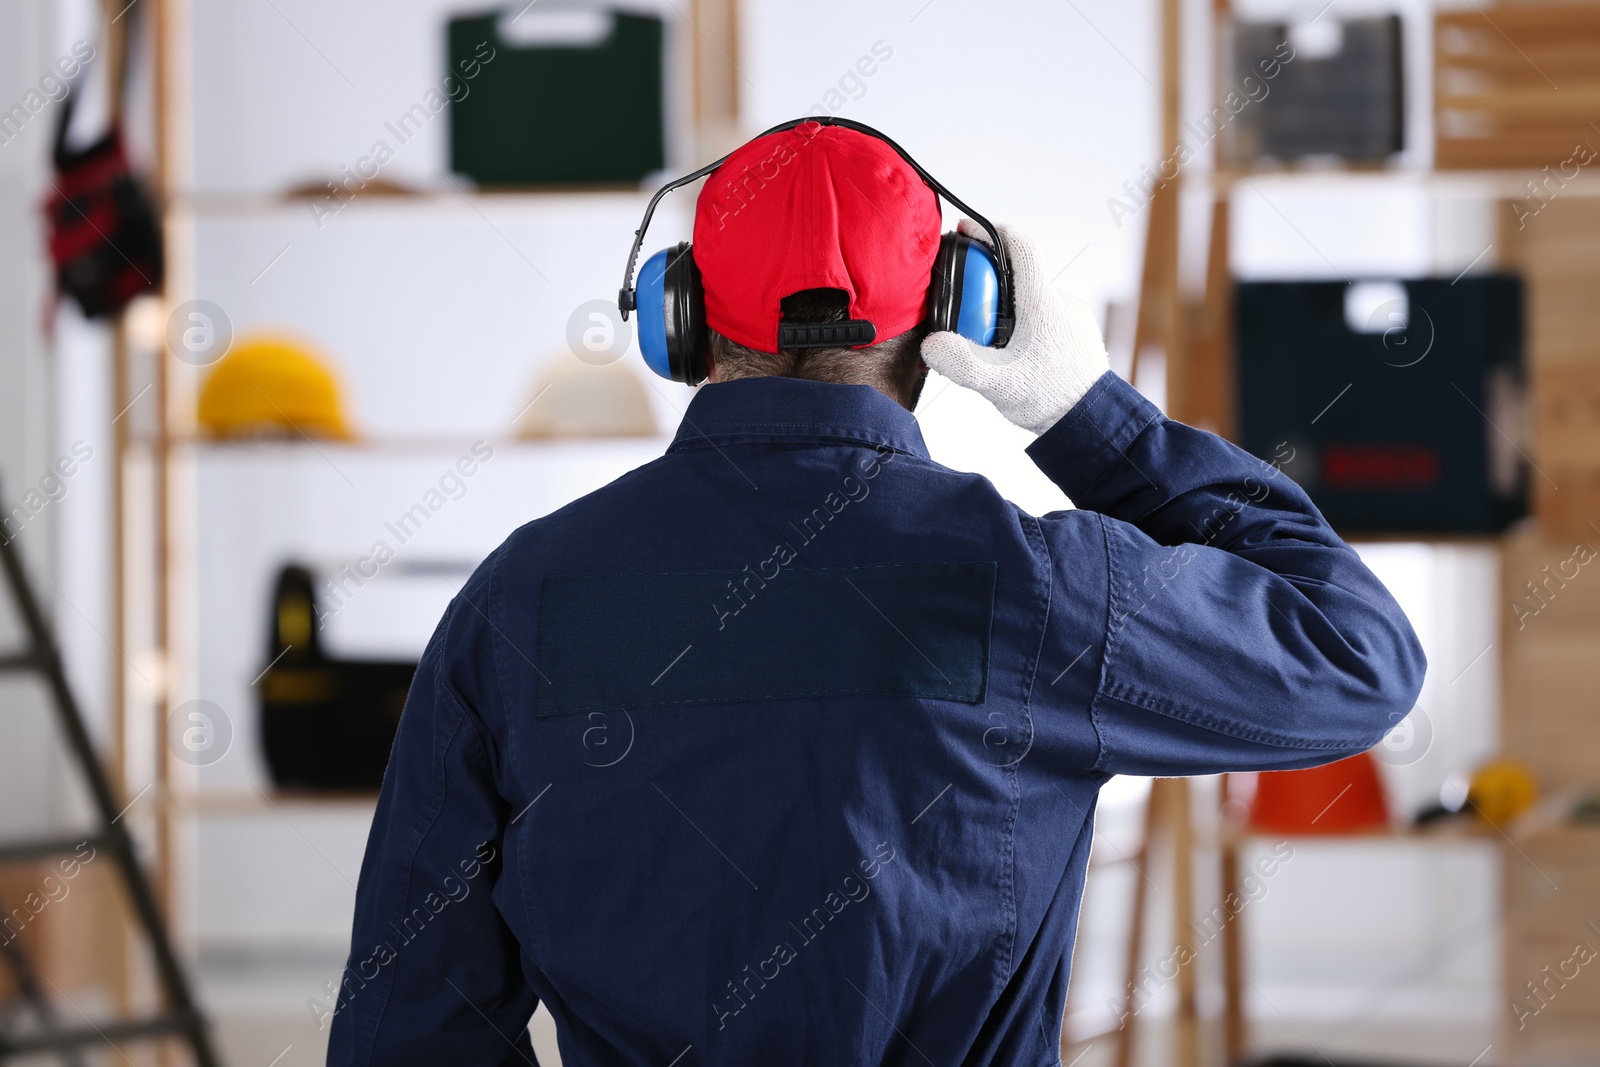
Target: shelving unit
pixel 1195 337
pixel 439 311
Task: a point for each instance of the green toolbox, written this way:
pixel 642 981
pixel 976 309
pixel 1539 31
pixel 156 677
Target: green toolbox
pixel 557 111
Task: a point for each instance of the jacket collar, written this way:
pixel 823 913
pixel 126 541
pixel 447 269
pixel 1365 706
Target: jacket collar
pixel 789 409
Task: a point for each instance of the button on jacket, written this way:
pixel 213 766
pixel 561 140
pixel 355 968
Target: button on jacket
pixel 784 748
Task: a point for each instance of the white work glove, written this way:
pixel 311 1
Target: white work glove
pixel 1054 356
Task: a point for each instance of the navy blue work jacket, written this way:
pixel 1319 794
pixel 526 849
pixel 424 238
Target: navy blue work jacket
pixel 783 749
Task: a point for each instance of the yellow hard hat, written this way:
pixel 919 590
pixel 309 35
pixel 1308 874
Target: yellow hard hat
pixel 1501 790
pixel 272 387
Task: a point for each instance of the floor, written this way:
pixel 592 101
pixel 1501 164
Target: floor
pixel 273 1015
pixel 268 1017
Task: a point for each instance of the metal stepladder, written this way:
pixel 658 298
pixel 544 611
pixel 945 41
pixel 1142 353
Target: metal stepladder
pixel 180 1018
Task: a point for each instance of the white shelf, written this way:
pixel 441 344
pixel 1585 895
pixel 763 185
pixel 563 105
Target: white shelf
pixel 439 316
pixel 462 197
pixel 289 447
pixel 235 803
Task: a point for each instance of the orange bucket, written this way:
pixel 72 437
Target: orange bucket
pixel 1338 798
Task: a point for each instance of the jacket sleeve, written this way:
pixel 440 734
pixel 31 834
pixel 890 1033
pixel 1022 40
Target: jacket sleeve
pixel 434 972
pixel 1238 632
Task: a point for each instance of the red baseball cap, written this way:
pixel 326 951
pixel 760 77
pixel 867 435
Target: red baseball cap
pixel 814 207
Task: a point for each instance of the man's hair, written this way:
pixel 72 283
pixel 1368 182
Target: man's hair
pixel 893 367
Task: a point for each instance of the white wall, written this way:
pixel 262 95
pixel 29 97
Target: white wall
pixel 29 773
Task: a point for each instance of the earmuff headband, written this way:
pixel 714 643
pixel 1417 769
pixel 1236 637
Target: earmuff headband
pixel 1007 317
pixel 625 296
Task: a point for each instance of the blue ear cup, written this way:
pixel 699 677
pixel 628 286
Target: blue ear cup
pixel 964 296
pixel 672 315
pixel 652 324
pixel 980 295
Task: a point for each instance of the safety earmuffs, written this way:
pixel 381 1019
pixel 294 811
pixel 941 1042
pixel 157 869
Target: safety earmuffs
pixel 969 293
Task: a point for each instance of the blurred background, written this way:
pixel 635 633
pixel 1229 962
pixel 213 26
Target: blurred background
pixel 306 306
